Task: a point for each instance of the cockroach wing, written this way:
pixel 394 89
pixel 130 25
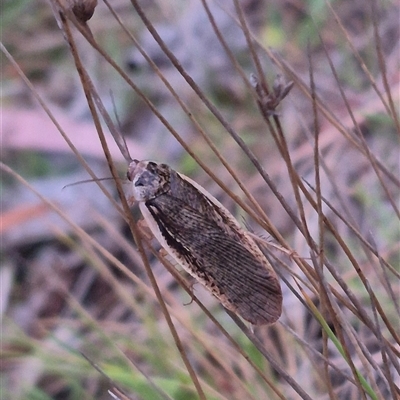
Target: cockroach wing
pixel 239 276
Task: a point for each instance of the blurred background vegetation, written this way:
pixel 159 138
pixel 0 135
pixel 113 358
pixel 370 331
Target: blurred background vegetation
pixel 67 291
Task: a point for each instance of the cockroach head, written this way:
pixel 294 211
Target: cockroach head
pixel 149 179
